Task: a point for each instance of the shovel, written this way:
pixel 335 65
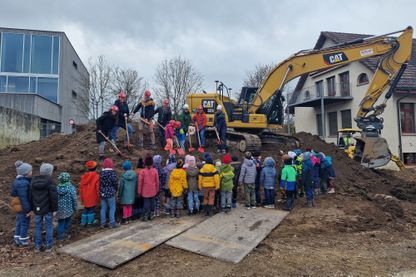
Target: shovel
pixel 191 131
pixel 179 149
pixel 112 144
pixel 218 136
pixel 200 148
pixel 129 146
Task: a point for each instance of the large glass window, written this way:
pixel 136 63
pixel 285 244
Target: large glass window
pixel 26 54
pixel 18 84
pixel 2 83
pixel 346 121
pixel 41 54
pixel 407 117
pixel 333 123
pixel 48 88
pixel 55 59
pixel 12 53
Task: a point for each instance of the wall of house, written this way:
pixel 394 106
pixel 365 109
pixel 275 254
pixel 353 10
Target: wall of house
pixel 18 127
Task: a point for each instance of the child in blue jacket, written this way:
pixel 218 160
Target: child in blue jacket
pixel 268 180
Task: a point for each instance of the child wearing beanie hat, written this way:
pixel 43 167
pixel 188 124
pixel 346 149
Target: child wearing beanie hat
pixel 67 205
pixel 177 184
pixel 209 181
pixel 108 191
pixel 226 187
pixel 44 201
pixel 127 191
pixel 89 193
pixel 20 203
pixel 148 188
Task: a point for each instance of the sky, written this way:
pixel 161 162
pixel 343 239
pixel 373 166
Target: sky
pixel 224 40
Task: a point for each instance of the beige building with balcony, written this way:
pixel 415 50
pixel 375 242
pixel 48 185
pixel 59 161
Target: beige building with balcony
pixel 341 89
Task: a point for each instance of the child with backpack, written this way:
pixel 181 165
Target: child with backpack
pixel 67 205
pixel 209 181
pixel 268 177
pixel 89 193
pixel 192 173
pixel 177 184
pixel 127 191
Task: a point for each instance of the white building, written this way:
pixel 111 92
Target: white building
pixel 343 88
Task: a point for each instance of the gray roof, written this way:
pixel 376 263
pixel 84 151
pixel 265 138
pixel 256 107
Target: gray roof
pixel 408 79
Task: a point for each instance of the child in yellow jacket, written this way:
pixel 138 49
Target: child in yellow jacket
pixel 209 181
pixel 177 184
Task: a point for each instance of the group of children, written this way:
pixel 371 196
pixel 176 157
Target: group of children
pixel 196 185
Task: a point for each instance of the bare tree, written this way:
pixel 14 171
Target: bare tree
pixel 131 83
pixel 256 77
pixel 175 79
pixel 96 88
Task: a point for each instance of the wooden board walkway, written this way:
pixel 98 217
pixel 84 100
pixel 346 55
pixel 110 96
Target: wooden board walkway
pixel 230 237
pixel 116 247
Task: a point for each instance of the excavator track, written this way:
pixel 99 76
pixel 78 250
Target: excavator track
pixel 244 141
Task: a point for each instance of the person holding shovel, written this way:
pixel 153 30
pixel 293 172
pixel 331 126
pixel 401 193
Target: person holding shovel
pixel 105 124
pixel 220 125
pixel 164 115
pixel 200 121
pixel 147 111
pixel 123 115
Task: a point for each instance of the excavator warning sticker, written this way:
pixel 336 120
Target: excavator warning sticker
pixel 366 52
pixel 209 106
pixel 335 58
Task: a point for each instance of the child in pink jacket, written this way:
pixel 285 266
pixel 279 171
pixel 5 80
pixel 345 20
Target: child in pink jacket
pixel 148 187
pixel 169 134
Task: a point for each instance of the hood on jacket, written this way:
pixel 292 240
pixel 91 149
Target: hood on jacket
pixel 41 182
pixel 269 161
pixel 192 171
pixel 208 168
pixel 226 168
pixel 248 162
pixel 306 156
pixel 64 188
pixel 129 175
pixel 157 160
pixel 89 175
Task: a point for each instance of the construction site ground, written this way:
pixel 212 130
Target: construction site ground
pixel 368 228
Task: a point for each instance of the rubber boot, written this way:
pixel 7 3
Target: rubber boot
pixel 210 210
pixel 84 220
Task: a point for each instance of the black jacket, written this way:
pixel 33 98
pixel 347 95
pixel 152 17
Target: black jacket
pixel 147 109
pixel 105 123
pixel 43 196
pixel 164 115
pixel 123 108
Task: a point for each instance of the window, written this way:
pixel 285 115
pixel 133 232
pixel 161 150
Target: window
pixel 344 79
pixel 407 117
pixel 409 158
pixel 18 84
pixel 41 54
pixel 26 54
pixel 307 95
pixel 33 84
pixel 49 127
pixel 362 79
pixel 2 83
pixel 319 88
pixel 48 88
pixel 319 124
pixel 55 58
pixel 331 86
pixel 74 64
pixel 333 123
pixel 346 121
pixel 12 50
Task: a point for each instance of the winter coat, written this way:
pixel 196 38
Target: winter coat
pixel 307 172
pixel 200 120
pixel 43 196
pixel 123 108
pixel 169 131
pixel 208 177
pixel 219 120
pixel 288 178
pixel 192 178
pixel 268 174
pixel 164 115
pixel 180 134
pixel 162 174
pixel 185 119
pixel 128 187
pixel 105 123
pixel 168 170
pixel 237 169
pixel 147 108
pixel 148 185
pixel 89 189
pixel 248 172
pixel 67 200
pixel 108 183
pixel 21 189
pixel 177 182
pixel 227 177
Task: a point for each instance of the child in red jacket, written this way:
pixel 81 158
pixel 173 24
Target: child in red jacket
pixel 89 193
pixel 169 135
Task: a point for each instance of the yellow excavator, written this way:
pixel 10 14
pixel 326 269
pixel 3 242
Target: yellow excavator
pixel 257 116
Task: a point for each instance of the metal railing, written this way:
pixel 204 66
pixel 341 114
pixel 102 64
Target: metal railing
pixel 312 92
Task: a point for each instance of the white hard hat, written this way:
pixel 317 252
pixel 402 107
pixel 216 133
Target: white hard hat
pixel 219 107
pixel 186 106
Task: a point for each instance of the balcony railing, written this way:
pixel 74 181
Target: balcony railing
pixel 312 93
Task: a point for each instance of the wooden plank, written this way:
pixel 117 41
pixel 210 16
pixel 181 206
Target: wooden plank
pixel 113 248
pixel 230 237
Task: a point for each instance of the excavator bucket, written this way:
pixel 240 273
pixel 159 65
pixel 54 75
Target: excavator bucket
pixel 372 152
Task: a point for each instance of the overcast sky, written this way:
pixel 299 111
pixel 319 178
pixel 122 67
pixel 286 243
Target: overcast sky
pixel 223 39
